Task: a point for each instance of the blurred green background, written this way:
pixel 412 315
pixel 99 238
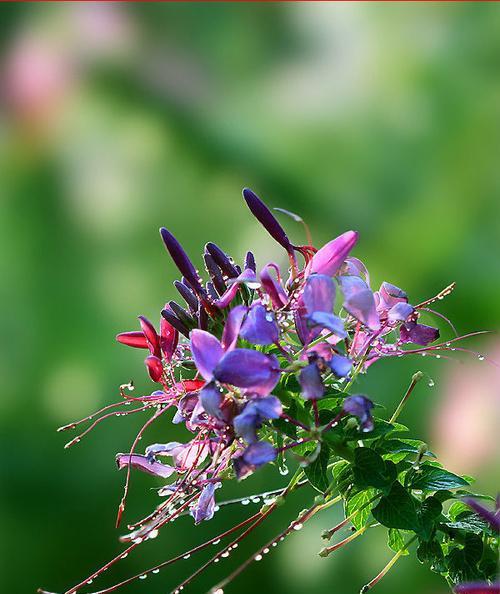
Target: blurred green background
pixel 116 119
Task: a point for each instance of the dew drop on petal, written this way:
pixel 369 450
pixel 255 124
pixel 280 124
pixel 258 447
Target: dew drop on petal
pixel 225 554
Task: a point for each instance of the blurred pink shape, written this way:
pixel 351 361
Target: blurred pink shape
pixel 465 426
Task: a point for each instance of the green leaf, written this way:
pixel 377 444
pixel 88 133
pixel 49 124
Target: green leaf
pixel 431 478
pixel 316 472
pixel 397 509
pixel 428 513
pixel 357 501
pixel 431 552
pixel 462 562
pixel 396 542
pixel 470 522
pixel 380 428
pixel 371 470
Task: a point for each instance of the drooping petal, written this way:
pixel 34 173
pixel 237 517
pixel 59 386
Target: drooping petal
pixel 227 297
pixel 151 335
pixel 260 326
pixel 329 321
pixel 340 365
pixel 269 407
pixel 331 256
pixel 133 339
pixel 248 277
pixel 169 338
pixel 207 352
pixel 260 453
pixel 155 367
pixel 272 287
pixel 247 423
pixel 145 464
pixel 359 301
pixel 246 368
pixel 418 333
pixel 319 293
pixel 211 399
pixel 262 213
pixel 205 506
pixel 389 295
pixel 232 326
pixel 185 407
pixel 311 383
pixel 360 406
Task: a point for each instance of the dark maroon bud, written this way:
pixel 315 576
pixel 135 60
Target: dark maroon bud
pixel 133 339
pixel 202 318
pixel 174 321
pixel 222 260
pixel 215 274
pixel 154 367
pixel 267 219
pixel 187 319
pixel 188 296
pixel 181 260
pixel 250 261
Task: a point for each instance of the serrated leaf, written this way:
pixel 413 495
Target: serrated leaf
pixel 343 477
pixel 397 509
pixel 395 541
pixel 316 472
pixel 432 478
pixel 356 502
pixel 370 470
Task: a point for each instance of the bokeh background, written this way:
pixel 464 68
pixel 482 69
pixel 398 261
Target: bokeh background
pixel 118 118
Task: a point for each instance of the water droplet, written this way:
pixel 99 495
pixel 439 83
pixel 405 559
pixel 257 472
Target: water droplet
pixel 143 576
pixel 137 540
pixel 275 544
pixel 283 470
pixel 89 581
pixel 187 556
pixel 216 542
pixel 155 571
pixel 153 534
pixel 424 354
pixel 258 557
pixel 480 357
pixel 297 526
pixel 216 508
pixel 265 551
pixel 245 502
pixel 438 356
pixel 235 545
pixel 225 554
pixel 448 344
pixel 124 556
pixel 216 560
pixel 218 591
pixel 255 499
pixel 431 383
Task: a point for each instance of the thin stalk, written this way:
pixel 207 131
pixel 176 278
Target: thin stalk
pixel 416 377
pixel 384 571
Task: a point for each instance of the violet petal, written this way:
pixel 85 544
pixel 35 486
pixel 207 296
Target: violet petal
pixel 205 506
pixel 311 383
pixel 400 312
pixel 145 464
pixel 246 368
pixel 232 327
pixel 418 333
pixel 260 453
pixel 181 260
pixel 340 365
pixel 211 399
pixel 329 321
pixel 360 406
pixel 207 352
pixel 331 256
pixel 260 326
pixel 319 293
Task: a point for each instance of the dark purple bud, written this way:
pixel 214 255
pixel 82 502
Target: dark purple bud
pixel 319 293
pixel 181 260
pixel 202 318
pixel 205 506
pixel 133 339
pixel 267 219
pixel 211 399
pixel 155 368
pixel 359 301
pixel 492 517
pixel 250 261
pixel 187 319
pixel 222 260
pixel 207 352
pixel 232 327
pixel 151 335
pixel 215 274
pixel 400 312
pixel 188 295
pixel 331 256
pixel 272 287
pixel 311 383
pixel 340 365
pixel 172 319
pixel 169 338
pixel 144 463
pixel 329 321
pixel 245 368
pixel 418 333
pixel 212 293
pixel 260 326
pixel 360 406
pixel 477 588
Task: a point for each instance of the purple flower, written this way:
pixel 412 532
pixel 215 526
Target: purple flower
pixel 184 455
pixel 272 287
pixel 232 327
pixel 207 352
pixel 318 298
pixel 254 414
pixel 389 295
pixel 310 381
pixel 360 406
pixel 245 368
pixel 205 506
pixel 260 326
pixel 418 333
pixel 255 455
pixel 340 365
pixel 144 463
pixel 267 219
pixel 182 261
pixel 331 256
pixel 211 399
pixel 359 301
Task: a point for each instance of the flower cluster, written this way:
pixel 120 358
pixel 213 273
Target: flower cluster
pixel 258 364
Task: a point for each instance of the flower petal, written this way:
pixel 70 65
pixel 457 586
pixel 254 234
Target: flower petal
pixel 272 287
pixel 182 261
pixel 145 464
pixel 133 339
pixel 207 352
pixel 400 312
pixel 260 326
pixel 155 367
pixel 319 293
pixel 232 327
pixel 260 453
pixel 151 335
pixel 359 301
pixel 360 407
pixel 418 333
pixel 311 382
pixel 331 256
pixel 205 506
pixel 329 321
pixel 211 399
pixel 246 368
pixel 169 338
pixel 340 365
